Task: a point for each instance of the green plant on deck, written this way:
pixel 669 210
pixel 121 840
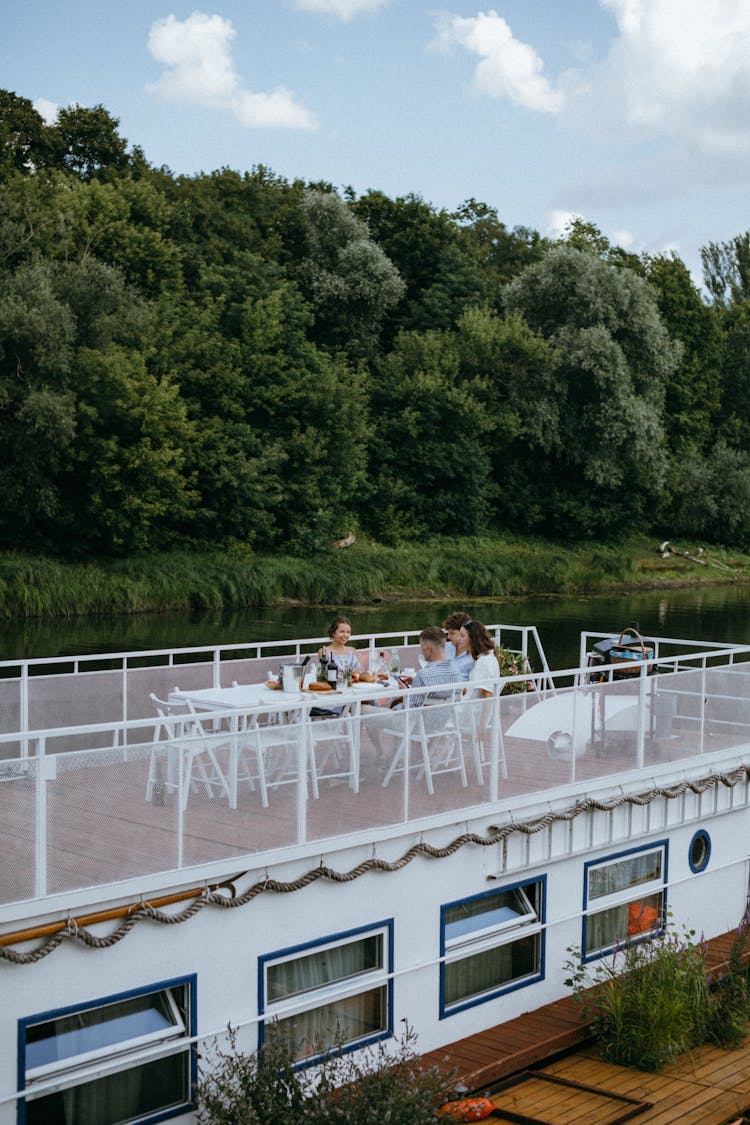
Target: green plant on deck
pixel 653 999
pixel 385 1082
pixel 514 664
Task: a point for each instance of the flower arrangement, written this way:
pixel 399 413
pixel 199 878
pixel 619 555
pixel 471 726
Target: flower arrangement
pixel 514 664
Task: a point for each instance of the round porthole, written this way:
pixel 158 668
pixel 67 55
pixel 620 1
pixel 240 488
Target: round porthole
pixel 700 851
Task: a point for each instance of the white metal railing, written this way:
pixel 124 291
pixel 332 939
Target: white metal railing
pixel 566 734
pixel 98 687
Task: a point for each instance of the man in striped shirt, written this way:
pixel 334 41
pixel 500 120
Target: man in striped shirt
pixel 437 669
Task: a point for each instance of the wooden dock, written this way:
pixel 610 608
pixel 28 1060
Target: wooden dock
pixel 710 1086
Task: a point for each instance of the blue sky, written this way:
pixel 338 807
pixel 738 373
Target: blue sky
pixel 634 114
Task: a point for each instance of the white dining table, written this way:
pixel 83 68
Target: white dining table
pixel 281 705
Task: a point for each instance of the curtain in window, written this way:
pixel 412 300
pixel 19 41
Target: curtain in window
pixel 610 927
pixel 118 1098
pixel 490 969
pixel 337 1023
pixel 324 967
pixel 628 872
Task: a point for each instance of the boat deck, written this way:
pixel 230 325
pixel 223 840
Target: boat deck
pixel 707 1087
pixel 96 827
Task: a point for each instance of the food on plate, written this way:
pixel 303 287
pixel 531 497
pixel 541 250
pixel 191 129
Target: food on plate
pixel 319 686
pixel 273 684
pixel 366 678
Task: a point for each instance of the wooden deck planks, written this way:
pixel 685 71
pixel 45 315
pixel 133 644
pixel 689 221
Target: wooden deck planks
pixel 101 828
pixel 709 1086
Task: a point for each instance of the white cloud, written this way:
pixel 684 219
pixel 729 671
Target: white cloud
pixel 344 9
pixel 677 70
pixel 508 68
pixel 46 109
pixel 200 71
pixel 558 222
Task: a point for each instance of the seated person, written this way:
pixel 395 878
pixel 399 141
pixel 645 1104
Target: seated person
pixel 342 652
pixel 455 648
pixel 437 668
pixel 479 645
pixel 346 658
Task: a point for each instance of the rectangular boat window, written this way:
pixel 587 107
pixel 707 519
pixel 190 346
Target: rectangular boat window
pixel 65 1052
pixel 334 994
pixel 491 943
pixel 624 899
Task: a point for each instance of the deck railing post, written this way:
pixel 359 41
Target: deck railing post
pixel 494 742
pixel 407 747
pixel 40 825
pixel 641 735
pixel 305 750
pixel 23 703
pixel 177 733
pixel 703 705
pixel 124 699
pixel 576 695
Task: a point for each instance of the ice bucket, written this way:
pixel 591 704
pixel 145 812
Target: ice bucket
pixel 291 676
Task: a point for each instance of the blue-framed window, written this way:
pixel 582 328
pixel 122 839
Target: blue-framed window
pixel 491 943
pixel 330 993
pixel 624 898
pixel 89 1064
pixel 699 852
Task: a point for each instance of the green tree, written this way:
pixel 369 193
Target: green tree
pixel 429 468
pixel 440 270
pixel 499 252
pixel 126 486
pixel 711 496
pixel 511 371
pixel 726 269
pixel 87 141
pixel 734 414
pixel 37 407
pixel 25 142
pixel 614 360
pixel 348 280
pixel 693 390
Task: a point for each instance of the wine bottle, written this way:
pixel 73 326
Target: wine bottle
pixel 332 671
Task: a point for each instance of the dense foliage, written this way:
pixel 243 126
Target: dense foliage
pixel 650 1001
pixel 231 358
pixel 382 1083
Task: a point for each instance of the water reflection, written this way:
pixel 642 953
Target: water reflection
pixel 718 613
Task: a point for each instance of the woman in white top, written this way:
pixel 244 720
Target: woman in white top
pixel 342 652
pixel 480 645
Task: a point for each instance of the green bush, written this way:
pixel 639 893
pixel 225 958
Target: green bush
pixel 652 1000
pixel 377 1084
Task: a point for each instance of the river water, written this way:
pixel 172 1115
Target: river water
pixel 715 613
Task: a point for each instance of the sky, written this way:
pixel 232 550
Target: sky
pixel 633 114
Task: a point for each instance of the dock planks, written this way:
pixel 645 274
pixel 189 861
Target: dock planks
pixel 709 1086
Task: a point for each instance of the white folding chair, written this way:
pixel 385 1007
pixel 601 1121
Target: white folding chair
pixel 476 724
pixel 334 736
pixel 272 744
pixel 180 733
pixel 434 730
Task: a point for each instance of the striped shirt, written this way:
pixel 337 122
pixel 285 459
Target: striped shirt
pixel 436 672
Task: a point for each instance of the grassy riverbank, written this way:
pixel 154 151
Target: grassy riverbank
pixel 474 568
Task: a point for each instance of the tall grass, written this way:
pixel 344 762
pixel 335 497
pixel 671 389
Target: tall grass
pixel 652 1000
pixel 34 586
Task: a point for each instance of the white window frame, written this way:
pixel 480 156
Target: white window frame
pixel 309 999
pixel 624 897
pixel 494 935
pixel 86 1066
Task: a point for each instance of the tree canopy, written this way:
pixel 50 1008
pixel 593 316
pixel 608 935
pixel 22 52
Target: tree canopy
pixel 232 357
